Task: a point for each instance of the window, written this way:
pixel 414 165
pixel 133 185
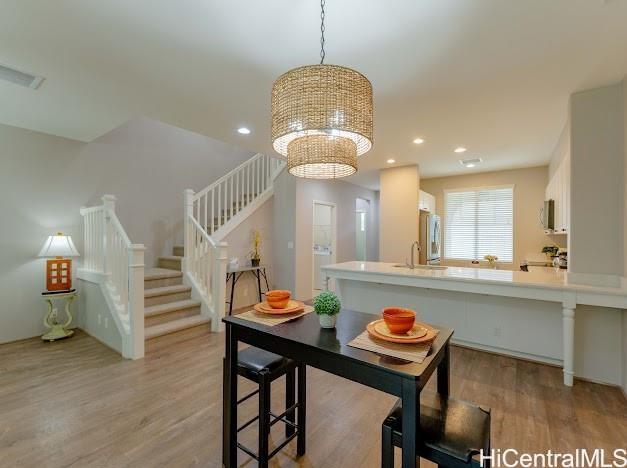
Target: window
pixel 479 222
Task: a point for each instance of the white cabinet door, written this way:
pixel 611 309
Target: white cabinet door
pixel 426 201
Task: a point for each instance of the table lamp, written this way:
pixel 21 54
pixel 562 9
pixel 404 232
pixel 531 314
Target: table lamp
pixel 59 269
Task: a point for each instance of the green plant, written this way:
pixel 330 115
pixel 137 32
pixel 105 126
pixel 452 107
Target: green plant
pixel 550 250
pixel 327 303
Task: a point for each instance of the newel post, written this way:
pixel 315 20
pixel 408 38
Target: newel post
pixel 218 294
pixel 108 203
pixel 136 300
pixel 188 210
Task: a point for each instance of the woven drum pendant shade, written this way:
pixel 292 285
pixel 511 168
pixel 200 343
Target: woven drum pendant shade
pixel 322 157
pixel 322 120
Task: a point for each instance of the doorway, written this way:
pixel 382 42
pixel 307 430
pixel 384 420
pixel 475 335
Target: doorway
pixel 362 222
pixel 324 241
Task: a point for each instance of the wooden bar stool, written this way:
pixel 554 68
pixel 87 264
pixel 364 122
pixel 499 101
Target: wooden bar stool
pixel 451 433
pixel 263 367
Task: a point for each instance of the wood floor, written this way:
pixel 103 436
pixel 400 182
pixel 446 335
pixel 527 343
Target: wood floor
pixel 77 403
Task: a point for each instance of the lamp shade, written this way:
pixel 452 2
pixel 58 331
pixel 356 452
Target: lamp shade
pixel 322 120
pixel 59 246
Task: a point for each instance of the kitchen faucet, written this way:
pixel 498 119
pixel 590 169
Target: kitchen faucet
pixel 412 265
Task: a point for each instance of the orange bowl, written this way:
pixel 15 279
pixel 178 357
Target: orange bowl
pixel 278 298
pixel 398 319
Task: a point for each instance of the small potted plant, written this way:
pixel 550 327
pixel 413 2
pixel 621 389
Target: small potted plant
pixel 550 251
pixel 491 259
pixel 255 257
pixel 327 306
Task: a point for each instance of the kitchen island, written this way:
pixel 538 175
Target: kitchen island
pixel 525 314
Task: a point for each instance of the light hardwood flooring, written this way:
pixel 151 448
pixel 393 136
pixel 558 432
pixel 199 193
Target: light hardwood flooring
pixel 77 403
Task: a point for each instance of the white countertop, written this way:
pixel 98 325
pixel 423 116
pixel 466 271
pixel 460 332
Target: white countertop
pixel 537 277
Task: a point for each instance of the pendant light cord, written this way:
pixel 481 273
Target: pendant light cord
pixel 322 53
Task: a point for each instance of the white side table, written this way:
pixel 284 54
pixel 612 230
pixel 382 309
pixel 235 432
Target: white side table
pixel 51 320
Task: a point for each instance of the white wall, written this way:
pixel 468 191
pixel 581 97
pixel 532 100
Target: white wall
pixel 36 200
pixel 45 180
pixel 597 185
pixel 240 246
pixel 344 195
pixel 147 165
pixel 293 223
pixel 529 185
pixel 398 227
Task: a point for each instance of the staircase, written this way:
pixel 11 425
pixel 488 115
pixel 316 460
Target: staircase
pixel 186 291
pixel 168 303
pixel 209 215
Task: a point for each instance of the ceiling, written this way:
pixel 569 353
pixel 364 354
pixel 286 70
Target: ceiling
pixel 491 75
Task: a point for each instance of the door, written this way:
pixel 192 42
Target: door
pixel 362 211
pixel 324 232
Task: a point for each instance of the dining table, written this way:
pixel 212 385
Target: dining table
pixel 305 341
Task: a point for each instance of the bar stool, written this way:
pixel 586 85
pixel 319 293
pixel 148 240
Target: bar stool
pixel 451 432
pixel 263 367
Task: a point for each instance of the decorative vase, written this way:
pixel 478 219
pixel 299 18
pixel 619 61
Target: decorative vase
pixel 254 262
pixel 327 321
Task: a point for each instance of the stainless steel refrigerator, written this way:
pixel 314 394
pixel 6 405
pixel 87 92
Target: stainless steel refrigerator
pixel 429 238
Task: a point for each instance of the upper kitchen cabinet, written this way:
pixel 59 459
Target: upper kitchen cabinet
pixel 558 189
pixel 426 202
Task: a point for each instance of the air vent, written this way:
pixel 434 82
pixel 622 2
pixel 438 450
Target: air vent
pixel 470 162
pixel 19 77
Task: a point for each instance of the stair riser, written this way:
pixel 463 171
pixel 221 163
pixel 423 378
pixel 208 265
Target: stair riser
pixel 169 264
pixel 165 298
pixel 158 283
pixel 178 250
pixel 169 316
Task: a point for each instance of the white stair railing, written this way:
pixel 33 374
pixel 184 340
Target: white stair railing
pixel 118 265
pixel 212 213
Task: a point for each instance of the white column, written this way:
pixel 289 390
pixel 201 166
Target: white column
pixel 218 293
pixel 136 300
pixel 188 210
pixel 108 202
pixel 568 336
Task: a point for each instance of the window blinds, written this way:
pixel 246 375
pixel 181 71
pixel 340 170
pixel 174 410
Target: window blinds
pixel 479 222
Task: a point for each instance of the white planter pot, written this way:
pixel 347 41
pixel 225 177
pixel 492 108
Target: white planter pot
pixel 327 321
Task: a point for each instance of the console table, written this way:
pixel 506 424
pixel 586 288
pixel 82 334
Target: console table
pixel 235 274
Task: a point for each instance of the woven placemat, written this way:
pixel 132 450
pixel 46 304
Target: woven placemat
pixel 414 352
pixel 271 320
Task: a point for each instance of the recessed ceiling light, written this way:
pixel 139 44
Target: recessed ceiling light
pixel 391 161
pixel 243 130
pixel 460 149
pixel 419 141
pixel 470 163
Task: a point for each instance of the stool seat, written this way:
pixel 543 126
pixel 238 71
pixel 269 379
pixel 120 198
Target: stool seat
pixel 451 431
pixel 256 359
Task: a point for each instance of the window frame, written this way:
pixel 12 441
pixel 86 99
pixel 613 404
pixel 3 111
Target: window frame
pixel 475 189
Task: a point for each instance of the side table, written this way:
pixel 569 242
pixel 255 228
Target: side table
pixel 51 320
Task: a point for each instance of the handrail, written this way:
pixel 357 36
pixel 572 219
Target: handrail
pixel 211 213
pixel 110 255
pixel 203 233
pixel 221 179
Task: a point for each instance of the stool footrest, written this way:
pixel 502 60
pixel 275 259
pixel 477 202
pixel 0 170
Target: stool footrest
pixel 247 423
pixel 251 394
pixel 281 417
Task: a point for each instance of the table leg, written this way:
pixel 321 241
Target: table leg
pixel 265 277
pixel 411 423
pixel 232 292
pixel 258 275
pixel 444 372
pixel 229 400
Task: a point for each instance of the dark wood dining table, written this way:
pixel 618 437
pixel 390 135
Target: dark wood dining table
pixel 303 340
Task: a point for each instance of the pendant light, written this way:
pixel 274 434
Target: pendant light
pixel 322 118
